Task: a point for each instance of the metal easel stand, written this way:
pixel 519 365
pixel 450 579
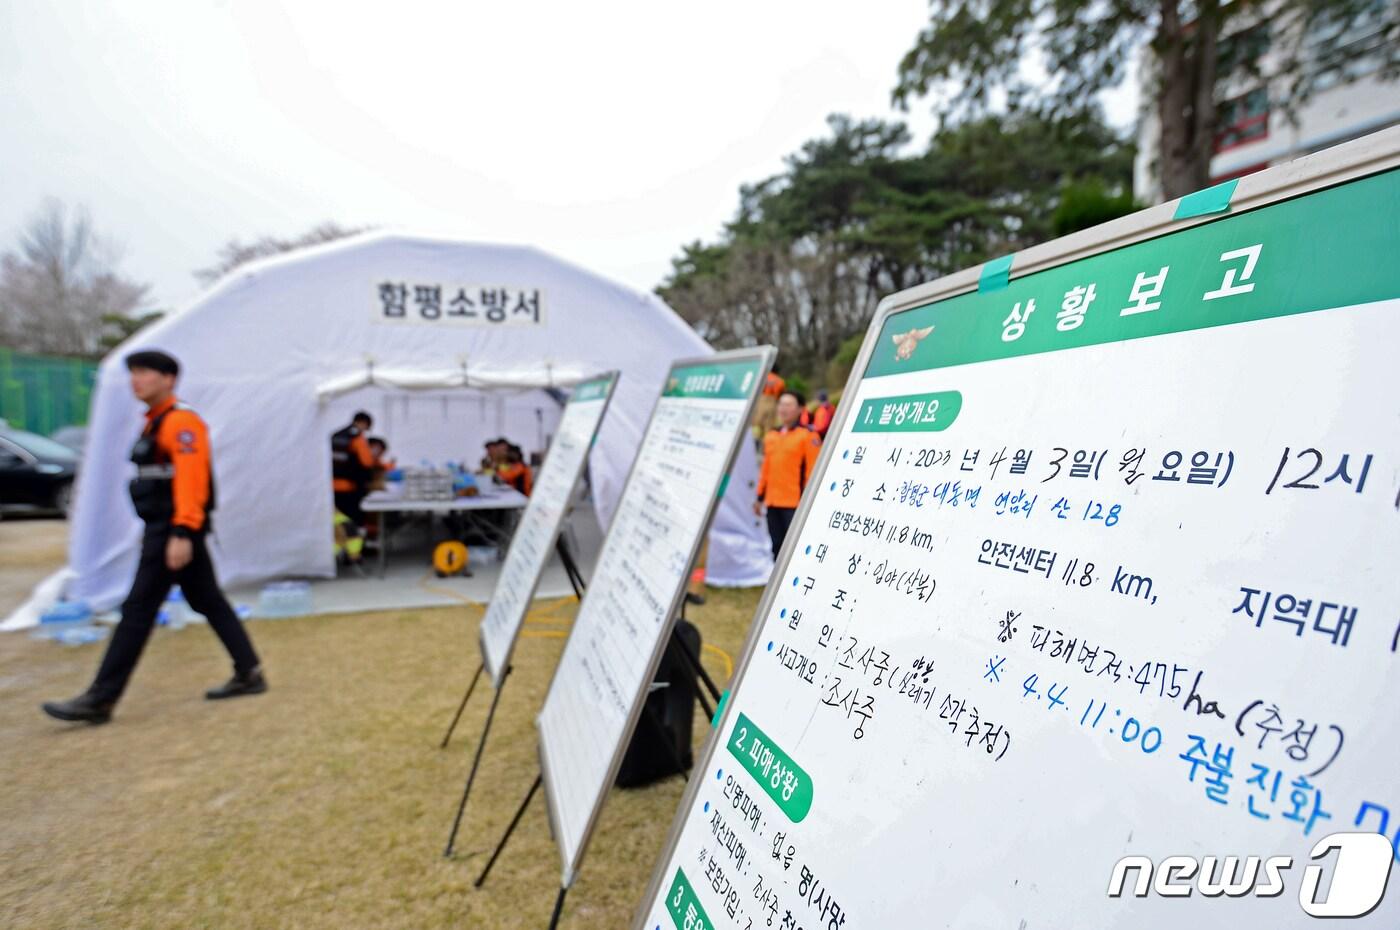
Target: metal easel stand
pixel 576 579
pixel 476 762
pixel 514 821
pixel 558 907
pixel 463 706
pixel 495 854
pixel 693 661
pixel 571 568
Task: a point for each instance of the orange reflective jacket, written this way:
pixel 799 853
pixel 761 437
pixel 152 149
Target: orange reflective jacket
pixel 518 476
pixel 360 451
pixel 182 447
pixel 789 456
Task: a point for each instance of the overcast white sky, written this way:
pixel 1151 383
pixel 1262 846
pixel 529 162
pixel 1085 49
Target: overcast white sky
pixel 608 133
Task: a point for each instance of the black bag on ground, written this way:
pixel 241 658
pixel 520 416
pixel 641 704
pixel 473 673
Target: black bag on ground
pixel 655 749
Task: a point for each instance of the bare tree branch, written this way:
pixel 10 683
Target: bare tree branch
pixel 60 283
pixel 235 253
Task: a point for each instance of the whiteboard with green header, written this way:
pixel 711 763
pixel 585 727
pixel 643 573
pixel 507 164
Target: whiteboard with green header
pixel 534 538
pixel 1101 560
pixel 629 609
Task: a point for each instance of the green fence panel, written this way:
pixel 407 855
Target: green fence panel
pixel 41 393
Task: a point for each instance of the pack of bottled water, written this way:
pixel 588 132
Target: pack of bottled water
pixel 69 623
pixel 428 484
pixel 285 599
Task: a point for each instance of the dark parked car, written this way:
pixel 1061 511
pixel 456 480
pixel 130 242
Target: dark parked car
pixel 35 473
pixel 71 436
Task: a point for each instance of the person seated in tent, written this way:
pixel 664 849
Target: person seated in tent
pixel 382 463
pixel 348 542
pixel 378 481
pixel 352 465
pixel 515 472
pixel 495 456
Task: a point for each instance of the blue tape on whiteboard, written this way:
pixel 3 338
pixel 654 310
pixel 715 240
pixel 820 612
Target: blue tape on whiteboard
pixel 719 708
pixel 1203 203
pixel 996 274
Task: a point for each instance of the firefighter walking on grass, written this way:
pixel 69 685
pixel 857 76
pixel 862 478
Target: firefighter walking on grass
pixel 173 493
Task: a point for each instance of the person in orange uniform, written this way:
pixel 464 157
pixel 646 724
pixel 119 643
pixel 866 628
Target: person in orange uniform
pixel 823 415
pixel 765 408
pixel 352 466
pixel 515 472
pixel 789 457
pixel 173 493
pixel 379 448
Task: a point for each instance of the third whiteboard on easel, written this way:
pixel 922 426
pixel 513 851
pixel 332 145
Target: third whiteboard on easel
pixel 532 544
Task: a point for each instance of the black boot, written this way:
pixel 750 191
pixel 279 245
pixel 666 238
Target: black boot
pixel 81 709
pixel 251 683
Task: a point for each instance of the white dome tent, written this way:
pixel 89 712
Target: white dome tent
pixel 446 342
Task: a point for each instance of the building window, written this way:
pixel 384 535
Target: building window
pixel 1342 47
pixel 1241 51
pixel 1242 119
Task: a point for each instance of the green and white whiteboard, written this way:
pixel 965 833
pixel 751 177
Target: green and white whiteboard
pixel 1102 560
pixel 627 615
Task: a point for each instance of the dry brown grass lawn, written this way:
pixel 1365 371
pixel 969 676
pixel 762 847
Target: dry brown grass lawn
pixel 30 549
pixel 324 803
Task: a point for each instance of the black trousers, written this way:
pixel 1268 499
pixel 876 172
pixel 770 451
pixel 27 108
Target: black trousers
pixel 148 592
pixel 348 503
pixel 779 522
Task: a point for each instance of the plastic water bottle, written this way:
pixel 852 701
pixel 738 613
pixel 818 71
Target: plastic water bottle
pixel 177 611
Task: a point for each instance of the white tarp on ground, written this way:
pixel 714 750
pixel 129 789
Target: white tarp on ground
pixel 447 343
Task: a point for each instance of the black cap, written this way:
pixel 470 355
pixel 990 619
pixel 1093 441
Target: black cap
pixel 153 359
